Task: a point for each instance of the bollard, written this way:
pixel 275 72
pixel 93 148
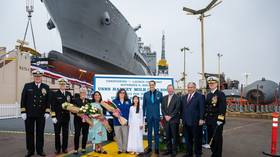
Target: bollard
pixel 270 108
pixel 274 135
pixel 246 108
pixel 250 107
pixel 229 108
pixel 262 109
pixel 241 108
pixel 235 107
pixel 266 108
pixel 258 108
pixel 275 108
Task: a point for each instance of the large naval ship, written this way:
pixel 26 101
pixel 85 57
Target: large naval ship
pixel 95 37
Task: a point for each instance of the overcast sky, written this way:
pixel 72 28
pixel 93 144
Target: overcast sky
pixel 246 32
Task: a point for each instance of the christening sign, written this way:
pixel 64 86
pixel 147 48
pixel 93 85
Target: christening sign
pixel 108 85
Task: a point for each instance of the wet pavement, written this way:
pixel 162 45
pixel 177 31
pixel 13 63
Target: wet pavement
pixel 243 137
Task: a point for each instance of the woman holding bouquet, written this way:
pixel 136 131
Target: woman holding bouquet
pixel 79 125
pixel 97 133
pixel 135 123
pixel 123 104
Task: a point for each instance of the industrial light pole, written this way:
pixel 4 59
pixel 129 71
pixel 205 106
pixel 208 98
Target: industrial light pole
pixel 202 12
pixel 219 68
pixel 184 50
pixel 29 10
pixel 246 78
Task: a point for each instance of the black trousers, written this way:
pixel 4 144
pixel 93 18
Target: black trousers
pixel 64 126
pixel 193 136
pixel 217 143
pixel 80 126
pixel 171 130
pixel 30 123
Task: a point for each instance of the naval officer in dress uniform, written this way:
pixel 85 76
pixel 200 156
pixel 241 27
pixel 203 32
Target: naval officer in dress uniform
pixel 61 117
pixel 35 109
pixel 215 116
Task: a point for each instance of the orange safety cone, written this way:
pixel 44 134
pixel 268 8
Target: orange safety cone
pixel 274 135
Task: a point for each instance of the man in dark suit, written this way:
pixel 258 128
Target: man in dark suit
pixel 170 108
pixel 61 117
pixel 151 109
pixel 192 114
pixel 35 109
pixel 215 116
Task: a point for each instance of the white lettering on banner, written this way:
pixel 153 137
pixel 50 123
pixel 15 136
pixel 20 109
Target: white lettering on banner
pixel 275 124
pixel 275 119
pixel 108 85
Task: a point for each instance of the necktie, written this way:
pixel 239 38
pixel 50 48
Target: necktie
pixel 189 98
pixel 169 99
pixel 152 98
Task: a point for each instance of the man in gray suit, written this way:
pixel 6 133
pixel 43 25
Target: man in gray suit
pixel 170 108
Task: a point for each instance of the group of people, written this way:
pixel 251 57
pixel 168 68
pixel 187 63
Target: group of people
pixel 193 109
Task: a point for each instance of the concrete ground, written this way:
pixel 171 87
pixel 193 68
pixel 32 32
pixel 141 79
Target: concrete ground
pixel 243 137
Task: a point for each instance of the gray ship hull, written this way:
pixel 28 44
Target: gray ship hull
pixel 100 47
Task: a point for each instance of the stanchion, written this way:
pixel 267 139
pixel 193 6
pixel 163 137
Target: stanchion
pixel 266 108
pixel 274 135
pixel 246 108
pixel 258 108
pixel 271 108
pixel 275 108
pixel 235 107
pixel 262 109
pixel 251 108
pixel 241 108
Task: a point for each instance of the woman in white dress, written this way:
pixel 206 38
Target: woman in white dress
pixel 135 123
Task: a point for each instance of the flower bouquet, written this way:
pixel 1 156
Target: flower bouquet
pixel 84 112
pixel 96 113
pixel 104 122
pixel 112 107
pixel 87 112
pixel 70 107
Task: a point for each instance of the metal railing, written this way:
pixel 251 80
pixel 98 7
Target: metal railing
pixel 256 108
pixel 9 111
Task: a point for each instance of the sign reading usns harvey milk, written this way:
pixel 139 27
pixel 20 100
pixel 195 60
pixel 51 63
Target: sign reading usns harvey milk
pixel 108 85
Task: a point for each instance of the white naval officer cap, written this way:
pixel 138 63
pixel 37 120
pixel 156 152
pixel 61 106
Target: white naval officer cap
pixel 37 72
pixel 212 79
pixel 62 81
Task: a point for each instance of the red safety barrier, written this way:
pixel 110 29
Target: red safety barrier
pixel 274 135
